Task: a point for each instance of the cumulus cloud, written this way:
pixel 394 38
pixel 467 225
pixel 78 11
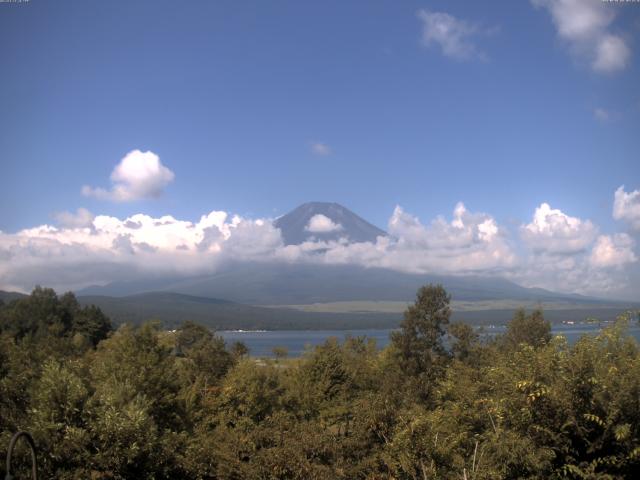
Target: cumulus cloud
pixel 551 231
pixel 453 36
pixel 566 253
pixel 612 53
pixel 626 207
pixel 320 149
pixel 560 252
pixel 112 249
pixel 464 229
pixel 322 224
pixel 80 219
pixel 586 26
pixel 139 175
pixel 613 251
pixel 469 243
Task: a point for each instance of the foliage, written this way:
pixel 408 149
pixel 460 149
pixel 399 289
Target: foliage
pixel 44 314
pixel 530 329
pixel 438 402
pixel 419 346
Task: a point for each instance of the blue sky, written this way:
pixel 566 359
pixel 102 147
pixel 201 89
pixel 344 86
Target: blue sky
pixel 509 113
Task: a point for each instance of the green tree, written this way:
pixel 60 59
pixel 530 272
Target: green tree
pixel 239 350
pixel 205 352
pixel 530 329
pixel 280 352
pixel 250 392
pixel 464 341
pixel 92 324
pixel 39 315
pixel 44 315
pixel 419 344
pixel 134 415
pixel 57 404
pixel 203 361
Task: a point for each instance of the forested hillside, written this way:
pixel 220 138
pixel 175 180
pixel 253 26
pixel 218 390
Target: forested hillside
pixel 142 402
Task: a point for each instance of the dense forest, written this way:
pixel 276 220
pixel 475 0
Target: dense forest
pixel 439 402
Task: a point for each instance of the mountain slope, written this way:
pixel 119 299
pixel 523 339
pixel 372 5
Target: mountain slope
pixel 292 284
pixel 297 226
pixel 7 297
pixel 172 309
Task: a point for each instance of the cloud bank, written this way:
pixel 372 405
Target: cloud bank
pixel 138 176
pixel 554 250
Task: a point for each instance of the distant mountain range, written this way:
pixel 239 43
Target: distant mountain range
pixel 172 309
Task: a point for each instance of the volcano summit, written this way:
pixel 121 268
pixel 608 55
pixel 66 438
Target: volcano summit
pixel 325 221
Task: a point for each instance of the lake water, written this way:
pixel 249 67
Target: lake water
pixel 261 343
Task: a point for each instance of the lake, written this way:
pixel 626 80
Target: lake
pixel 261 343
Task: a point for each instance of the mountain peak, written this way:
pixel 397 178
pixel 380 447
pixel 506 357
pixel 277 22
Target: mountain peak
pixel 325 221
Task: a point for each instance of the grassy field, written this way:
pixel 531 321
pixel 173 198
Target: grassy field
pixel 365 306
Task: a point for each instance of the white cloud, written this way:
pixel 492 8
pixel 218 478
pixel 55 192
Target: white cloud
pixel 612 53
pixel 82 218
pixel 112 249
pixel 469 243
pixel 321 149
pixel 322 224
pixel 585 26
pixel 453 36
pixel 561 252
pixel 567 254
pixel 139 175
pixel 626 206
pixel 613 251
pixel 464 229
pixel 553 232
